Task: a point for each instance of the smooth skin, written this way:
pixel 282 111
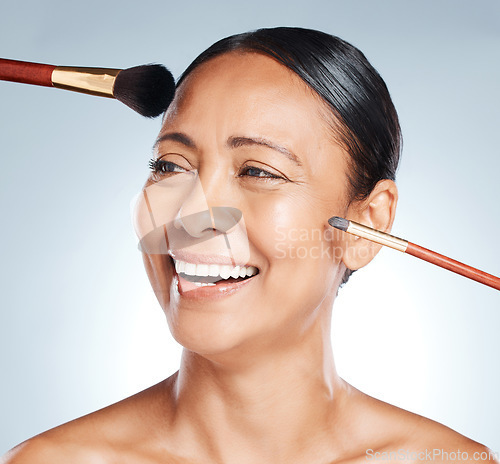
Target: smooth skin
pixel 257 381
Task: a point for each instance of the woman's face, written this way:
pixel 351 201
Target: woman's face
pixel 249 175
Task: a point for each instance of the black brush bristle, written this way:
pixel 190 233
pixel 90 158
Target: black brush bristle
pixel 147 89
pixel 339 223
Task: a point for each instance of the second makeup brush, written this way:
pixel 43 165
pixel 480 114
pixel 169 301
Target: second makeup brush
pixel 399 244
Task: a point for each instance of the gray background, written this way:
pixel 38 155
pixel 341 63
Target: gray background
pixel 79 325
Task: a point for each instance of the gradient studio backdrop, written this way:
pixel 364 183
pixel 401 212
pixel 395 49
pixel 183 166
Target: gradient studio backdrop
pixel 80 327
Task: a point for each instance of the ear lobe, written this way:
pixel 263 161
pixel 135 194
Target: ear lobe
pixel 378 212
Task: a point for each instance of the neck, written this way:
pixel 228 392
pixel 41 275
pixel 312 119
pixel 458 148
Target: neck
pixel 272 407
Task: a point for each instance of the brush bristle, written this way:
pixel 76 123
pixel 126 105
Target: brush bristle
pixel 339 223
pixel 147 89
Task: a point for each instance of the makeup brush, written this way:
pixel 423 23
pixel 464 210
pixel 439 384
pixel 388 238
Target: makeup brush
pixel 399 244
pixel 147 89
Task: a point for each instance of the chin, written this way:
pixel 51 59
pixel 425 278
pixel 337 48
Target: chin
pixel 210 333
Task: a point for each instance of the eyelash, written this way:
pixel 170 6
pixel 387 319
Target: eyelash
pixel 157 166
pixel 268 175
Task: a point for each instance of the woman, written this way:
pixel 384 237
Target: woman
pixel 270 134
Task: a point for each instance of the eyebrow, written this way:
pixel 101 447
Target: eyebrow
pixel 235 142
pixel 232 142
pixel 176 137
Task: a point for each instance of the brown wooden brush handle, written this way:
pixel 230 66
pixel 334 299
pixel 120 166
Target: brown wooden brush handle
pixel 26 73
pixel 452 265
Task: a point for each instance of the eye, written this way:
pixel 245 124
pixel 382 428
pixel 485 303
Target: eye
pixel 252 171
pixel 160 166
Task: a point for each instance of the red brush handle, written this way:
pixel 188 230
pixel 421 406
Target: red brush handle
pixel 452 265
pixel 26 73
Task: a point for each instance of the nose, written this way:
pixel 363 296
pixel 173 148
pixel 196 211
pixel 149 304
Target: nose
pixel 199 222
pixel 209 211
pixel 198 218
pixel 180 215
pixel 218 219
pixel 193 215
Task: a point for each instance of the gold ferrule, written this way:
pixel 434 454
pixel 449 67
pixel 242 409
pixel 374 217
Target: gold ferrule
pixel 92 81
pixel 376 236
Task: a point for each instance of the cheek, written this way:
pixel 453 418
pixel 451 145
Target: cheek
pixel 300 269
pixel 289 231
pixel 160 275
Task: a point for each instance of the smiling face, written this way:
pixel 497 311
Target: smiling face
pixel 245 134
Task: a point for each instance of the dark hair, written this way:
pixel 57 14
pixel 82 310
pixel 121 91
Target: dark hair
pixel 365 121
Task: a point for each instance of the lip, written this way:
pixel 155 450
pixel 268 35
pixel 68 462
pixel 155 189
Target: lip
pixel 216 292
pixel 195 258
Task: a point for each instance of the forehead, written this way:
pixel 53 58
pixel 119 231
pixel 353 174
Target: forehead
pixel 247 91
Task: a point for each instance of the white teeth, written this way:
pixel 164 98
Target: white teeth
pixel 203 284
pixel 214 270
pixel 190 269
pixel 225 271
pixel 251 270
pixel 235 273
pixel 202 270
pixel 180 266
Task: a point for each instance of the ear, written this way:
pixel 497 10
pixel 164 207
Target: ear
pixel 378 212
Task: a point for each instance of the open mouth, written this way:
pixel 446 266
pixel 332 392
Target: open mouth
pixel 206 275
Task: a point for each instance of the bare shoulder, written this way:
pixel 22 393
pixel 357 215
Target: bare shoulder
pixel 102 437
pixel 437 442
pixel 399 435
pixel 45 449
pixel 83 440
